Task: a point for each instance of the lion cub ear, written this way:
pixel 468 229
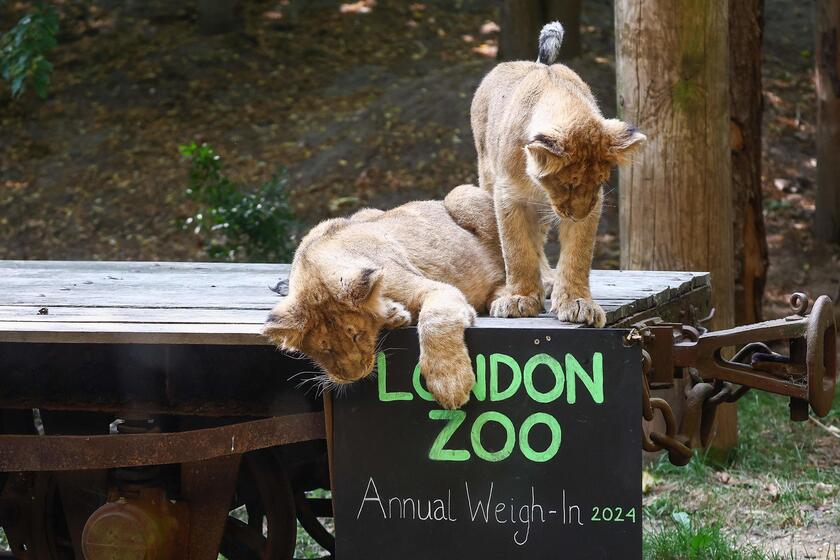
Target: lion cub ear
pixel 545 155
pixel 286 324
pixel 622 140
pixel 357 285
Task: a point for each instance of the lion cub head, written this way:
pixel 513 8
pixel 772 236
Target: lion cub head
pixel 333 319
pixel 572 162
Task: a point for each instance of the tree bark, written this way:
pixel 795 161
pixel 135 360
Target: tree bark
pixel 675 199
pixel 827 227
pixel 218 16
pixel 566 12
pixel 746 24
pixel 523 19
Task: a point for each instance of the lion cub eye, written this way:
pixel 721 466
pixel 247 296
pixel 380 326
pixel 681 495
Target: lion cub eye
pixel 357 337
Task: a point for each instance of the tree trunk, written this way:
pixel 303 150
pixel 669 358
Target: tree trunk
pixel 675 200
pixel 746 24
pixel 523 19
pixel 217 16
pixel 520 29
pixel 566 12
pixel 828 121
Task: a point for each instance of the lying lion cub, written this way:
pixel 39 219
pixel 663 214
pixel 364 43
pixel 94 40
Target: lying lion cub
pixel 545 149
pixel 432 262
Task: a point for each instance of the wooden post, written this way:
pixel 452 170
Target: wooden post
pixel 566 12
pixel 520 27
pixel 827 227
pixel 746 24
pixel 675 200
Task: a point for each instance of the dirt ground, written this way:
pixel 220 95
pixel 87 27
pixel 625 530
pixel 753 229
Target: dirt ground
pixel 365 109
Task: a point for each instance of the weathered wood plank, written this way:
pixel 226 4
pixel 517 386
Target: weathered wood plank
pixel 221 303
pixel 74 314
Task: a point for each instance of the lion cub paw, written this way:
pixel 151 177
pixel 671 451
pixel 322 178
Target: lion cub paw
pixel 578 310
pixel 396 315
pixel 450 380
pixel 516 306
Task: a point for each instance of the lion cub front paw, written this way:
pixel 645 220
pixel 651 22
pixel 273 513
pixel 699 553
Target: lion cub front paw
pixel 396 315
pixel 516 306
pixel 578 310
pixel 450 380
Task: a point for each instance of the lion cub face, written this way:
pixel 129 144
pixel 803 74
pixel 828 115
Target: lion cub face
pixel 335 322
pixel 571 165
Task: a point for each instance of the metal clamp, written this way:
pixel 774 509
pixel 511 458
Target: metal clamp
pixel 808 375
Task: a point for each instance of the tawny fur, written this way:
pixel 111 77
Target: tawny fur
pixel 432 262
pixel 544 152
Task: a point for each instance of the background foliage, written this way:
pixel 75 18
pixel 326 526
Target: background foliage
pixel 24 48
pixel 236 222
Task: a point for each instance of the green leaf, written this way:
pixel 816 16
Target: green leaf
pixel 23 49
pixel 17 85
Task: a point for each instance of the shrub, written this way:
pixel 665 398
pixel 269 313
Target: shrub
pixel 237 223
pixel 23 51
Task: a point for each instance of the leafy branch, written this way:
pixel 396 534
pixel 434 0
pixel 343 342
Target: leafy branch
pixel 236 222
pixel 23 51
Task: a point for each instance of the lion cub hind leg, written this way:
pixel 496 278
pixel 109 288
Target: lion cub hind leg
pixel 366 215
pixel 396 314
pixel 472 209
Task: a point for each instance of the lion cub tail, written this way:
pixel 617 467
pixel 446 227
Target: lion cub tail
pixel 551 38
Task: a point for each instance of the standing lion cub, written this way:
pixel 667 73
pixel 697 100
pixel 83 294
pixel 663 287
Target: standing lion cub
pixel 432 262
pixel 544 150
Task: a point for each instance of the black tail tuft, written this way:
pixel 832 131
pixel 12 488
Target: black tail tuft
pixel 551 38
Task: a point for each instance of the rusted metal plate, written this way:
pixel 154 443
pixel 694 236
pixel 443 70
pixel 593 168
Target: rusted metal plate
pixel 195 380
pixel 59 453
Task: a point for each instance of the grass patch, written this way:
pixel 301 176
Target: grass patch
pixel 784 478
pixel 682 540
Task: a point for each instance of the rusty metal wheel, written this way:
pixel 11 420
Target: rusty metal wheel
pixel 37 529
pixel 309 510
pixel 262 525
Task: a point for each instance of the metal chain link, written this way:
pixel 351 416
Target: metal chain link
pixel 698 418
pixel 678 452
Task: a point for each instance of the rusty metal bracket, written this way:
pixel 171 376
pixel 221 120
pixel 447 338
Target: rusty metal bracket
pixel 808 374
pixel 59 453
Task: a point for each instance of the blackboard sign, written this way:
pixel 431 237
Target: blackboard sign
pixel 544 461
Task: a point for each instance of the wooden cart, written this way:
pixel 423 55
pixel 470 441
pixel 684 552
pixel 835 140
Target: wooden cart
pixel 140 399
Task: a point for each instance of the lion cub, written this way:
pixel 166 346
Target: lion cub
pixel 544 150
pixel 432 262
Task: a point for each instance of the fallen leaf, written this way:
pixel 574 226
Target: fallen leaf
pixel 490 27
pixel 773 492
pixel 648 482
pixel 723 477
